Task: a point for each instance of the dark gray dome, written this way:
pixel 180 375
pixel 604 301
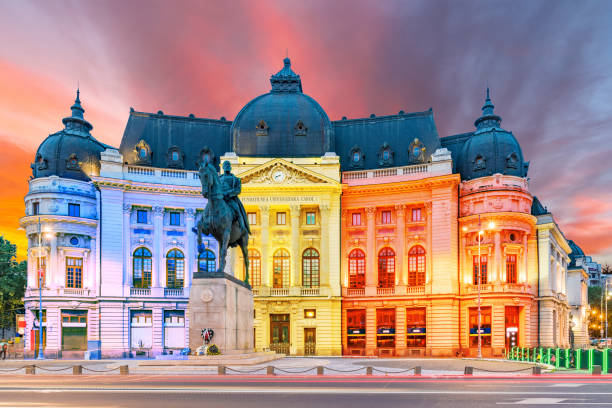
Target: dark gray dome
pixel 282 123
pixel 491 149
pixel 70 153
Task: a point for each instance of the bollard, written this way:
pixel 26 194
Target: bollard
pixel 270 370
pixel 31 369
pixel 77 370
pixel 536 370
pixel 468 370
pixel 123 370
pixel 596 370
pixel 368 370
pixel 320 370
pixel 417 370
pixel 221 370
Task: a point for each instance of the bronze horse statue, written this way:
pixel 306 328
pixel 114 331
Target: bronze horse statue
pixel 220 221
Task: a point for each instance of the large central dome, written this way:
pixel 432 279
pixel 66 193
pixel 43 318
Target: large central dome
pixel 282 123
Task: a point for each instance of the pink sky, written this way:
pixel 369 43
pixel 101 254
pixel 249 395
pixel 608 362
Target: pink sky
pixel 547 63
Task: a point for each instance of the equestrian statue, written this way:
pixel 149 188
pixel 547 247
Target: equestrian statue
pixel 224 216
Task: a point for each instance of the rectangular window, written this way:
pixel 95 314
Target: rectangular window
pixel 483 269
pixel 74 210
pixel 385 328
pixel 175 218
pixel 174 329
pixel 511 268
pixel 141 216
pixel 416 214
pixel 41 271
pixel 356 328
pixel 74 272
pixel 416 327
pixel 141 329
pixel 310 313
pixel 485 326
pixel 311 218
pixel 356 219
pixel 74 329
pixel 252 218
pixel 35 207
pixel 386 217
pixel 281 218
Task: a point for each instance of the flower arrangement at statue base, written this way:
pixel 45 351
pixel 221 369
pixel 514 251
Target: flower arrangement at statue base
pixel 213 350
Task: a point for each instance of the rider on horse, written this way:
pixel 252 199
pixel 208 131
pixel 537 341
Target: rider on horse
pixel 232 186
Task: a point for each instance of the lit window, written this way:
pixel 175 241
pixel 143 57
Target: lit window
pixel 386 217
pixel 175 269
pixel 175 218
pixel 252 217
pixel 281 218
pixel 356 218
pixel 35 208
pixel 357 269
pixel 281 269
pixel 483 269
pixel 416 266
pixel 310 313
pixel 74 210
pixel 141 216
pixel 142 267
pixel 416 327
pixel 511 268
pixel 310 268
pixel 385 328
pixel 254 268
pixel 386 268
pixel 311 218
pixel 206 261
pixel 416 214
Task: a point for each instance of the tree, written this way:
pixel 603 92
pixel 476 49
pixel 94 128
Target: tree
pixel 13 278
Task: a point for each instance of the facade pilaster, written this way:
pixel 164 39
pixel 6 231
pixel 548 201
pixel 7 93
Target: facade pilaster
pixel 190 255
pixel 370 277
pixel 266 275
pixel 400 250
pixel 158 217
pixel 54 269
pixel 326 250
pixel 127 270
pixel 497 265
pixel 296 254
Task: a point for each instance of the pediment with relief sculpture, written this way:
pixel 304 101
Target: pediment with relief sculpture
pixel 279 171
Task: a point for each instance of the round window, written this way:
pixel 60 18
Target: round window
pixel 513 237
pixel 74 241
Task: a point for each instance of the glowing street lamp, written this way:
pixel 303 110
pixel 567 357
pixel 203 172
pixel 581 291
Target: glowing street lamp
pixel 479 277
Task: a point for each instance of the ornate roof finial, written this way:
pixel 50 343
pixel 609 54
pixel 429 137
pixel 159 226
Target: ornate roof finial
pixel 76 121
pixel 286 80
pixel 488 118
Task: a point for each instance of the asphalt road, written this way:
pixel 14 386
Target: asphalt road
pixel 297 392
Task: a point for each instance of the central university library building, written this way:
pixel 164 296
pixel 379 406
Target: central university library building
pixel 370 236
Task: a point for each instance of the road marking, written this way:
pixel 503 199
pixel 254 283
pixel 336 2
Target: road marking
pixel 536 401
pixel 567 385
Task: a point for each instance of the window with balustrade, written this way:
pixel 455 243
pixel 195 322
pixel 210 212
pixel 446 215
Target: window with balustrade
pixel 207 261
pixel 254 268
pixel 175 269
pixel 483 269
pixel 74 272
pixel 281 268
pixel 310 268
pixel 386 268
pixel 141 268
pixel 356 269
pixel 416 266
pixel 511 268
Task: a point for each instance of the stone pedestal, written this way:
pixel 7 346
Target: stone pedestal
pixel 223 303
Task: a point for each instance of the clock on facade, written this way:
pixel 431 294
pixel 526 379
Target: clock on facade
pixel 278 176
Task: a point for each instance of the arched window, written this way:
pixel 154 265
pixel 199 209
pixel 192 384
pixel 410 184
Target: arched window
pixel 386 268
pixel 206 261
pixel 254 268
pixel 356 269
pixel 310 268
pixel 281 262
pixel 175 269
pixel 416 266
pixel 141 268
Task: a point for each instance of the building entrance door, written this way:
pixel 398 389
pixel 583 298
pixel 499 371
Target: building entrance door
pixel 512 326
pixel 310 341
pixel 279 333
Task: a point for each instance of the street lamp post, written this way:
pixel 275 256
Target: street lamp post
pixel 479 279
pixel 40 281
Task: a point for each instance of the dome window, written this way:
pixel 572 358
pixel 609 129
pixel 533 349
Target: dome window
pixel 300 129
pixel 385 155
pixel 72 163
pixel 416 152
pixel 480 163
pixel 41 163
pixel 262 128
pixel 512 161
pixel 356 157
pixel 175 157
pixel 206 156
pixel 143 152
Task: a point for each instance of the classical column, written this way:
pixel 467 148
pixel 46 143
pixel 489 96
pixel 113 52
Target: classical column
pixel 92 265
pixel 190 243
pixel 525 260
pixel 127 253
pixel 266 273
pixel 371 248
pixel 401 266
pixel 497 266
pixel 428 243
pixel 325 250
pixel 344 244
pixel 158 236
pixel 296 254
pixel 55 273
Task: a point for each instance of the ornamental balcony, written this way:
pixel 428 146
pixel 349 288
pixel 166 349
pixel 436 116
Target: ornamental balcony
pixel 67 292
pixel 499 287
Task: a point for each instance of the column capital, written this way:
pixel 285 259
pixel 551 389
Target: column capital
pixel 158 211
pixel 295 208
pixel 190 212
pixel 370 212
pixel 400 209
pixel 344 214
pixel 127 208
pixel 264 208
